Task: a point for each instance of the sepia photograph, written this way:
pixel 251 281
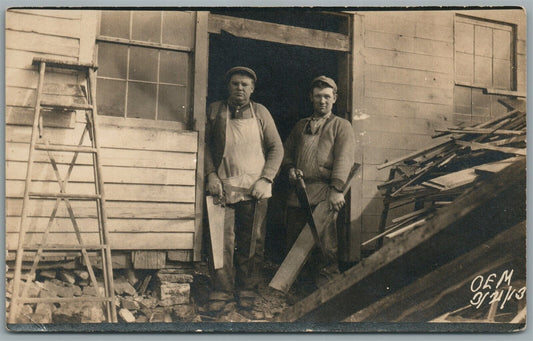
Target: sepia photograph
pixel 280 169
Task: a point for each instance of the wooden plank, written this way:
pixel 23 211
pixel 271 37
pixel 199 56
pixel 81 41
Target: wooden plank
pixel 480 131
pixel 123 192
pixel 439 291
pixel 388 124
pixel 488 146
pixel 277 33
pixel 24 97
pixel 389 22
pixel 55 83
pixel 148 259
pixel 38 224
pixel 24 116
pixel 23 59
pixel 180 255
pixel 15 170
pixel 111 157
pixel 409 60
pixel 42 24
pixel 117 137
pixel 338 299
pixel 52 13
pixel 402 76
pixel 201 64
pixel 431 31
pixel 27 41
pixel 399 42
pixel 392 140
pixel 115 209
pixel 417 153
pixel 408 92
pixel 495 167
pixel 118 241
pixel 378 155
pixel 453 180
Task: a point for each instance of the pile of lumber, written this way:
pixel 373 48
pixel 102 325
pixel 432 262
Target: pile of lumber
pixel 435 176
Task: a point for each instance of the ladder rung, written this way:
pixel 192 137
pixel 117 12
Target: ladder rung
pixel 63 148
pixel 73 106
pixel 63 299
pixel 63 64
pixel 65 247
pixel 64 195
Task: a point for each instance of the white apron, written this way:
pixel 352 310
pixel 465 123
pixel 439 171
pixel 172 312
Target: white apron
pixel 243 160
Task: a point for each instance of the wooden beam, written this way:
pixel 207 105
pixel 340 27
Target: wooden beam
pixel 201 53
pixel 277 33
pixel 438 241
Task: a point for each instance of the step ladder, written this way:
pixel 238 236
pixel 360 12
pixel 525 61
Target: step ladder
pixel 39 143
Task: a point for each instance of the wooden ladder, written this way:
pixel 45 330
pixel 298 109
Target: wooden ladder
pixel 38 143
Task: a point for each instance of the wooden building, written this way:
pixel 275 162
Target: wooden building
pixel 400 76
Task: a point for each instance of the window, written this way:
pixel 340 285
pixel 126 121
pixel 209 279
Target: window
pixel 144 60
pixel 484 66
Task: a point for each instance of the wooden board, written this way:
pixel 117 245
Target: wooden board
pixel 116 209
pixel 27 22
pixel 63 224
pixel 34 42
pixel 495 167
pixel 16 170
pixel 217 221
pixel 118 241
pixel 148 259
pixel 453 180
pixel 284 34
pixel 300 251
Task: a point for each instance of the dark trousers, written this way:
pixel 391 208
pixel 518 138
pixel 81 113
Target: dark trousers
pixel 244 246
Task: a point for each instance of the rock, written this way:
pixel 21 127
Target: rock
pixel 82 274
pixel 147 302
pixel 233 317
pixel 132 277
pixel 129 304
pixel 62 289
pixel 91 290
pixel 158 315
pixel 67 276
pixel 92 313
pixel 183 312
pixel 122 286
pixel 25 314
pixel 126 315
pixel 174 293
pixel 43 313
pixel 141 319
pixel 174 276
pixel 68 312
pixel 167 318
pixel 197 319
pixel 33 289
pixel 51 274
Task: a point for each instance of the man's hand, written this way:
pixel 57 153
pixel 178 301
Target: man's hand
pixel 261 189
pixel 336 199
pixel 294 173
pixel 214 185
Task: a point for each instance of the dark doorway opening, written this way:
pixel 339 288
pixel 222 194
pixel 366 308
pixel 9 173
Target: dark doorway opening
pixel 284 73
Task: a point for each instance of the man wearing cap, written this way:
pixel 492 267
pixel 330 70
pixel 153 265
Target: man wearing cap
pixel 320 148
pixel 243 155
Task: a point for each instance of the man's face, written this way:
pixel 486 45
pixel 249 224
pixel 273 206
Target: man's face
pixel 240 87
pixel 323 100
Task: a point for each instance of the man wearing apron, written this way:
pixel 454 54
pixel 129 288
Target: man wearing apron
pixel 243 155
pixel 321 148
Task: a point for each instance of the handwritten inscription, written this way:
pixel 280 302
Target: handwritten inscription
pixel 495 288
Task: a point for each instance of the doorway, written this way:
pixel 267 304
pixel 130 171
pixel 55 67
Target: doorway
pixel 284 73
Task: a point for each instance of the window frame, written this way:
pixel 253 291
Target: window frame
pixel 154 122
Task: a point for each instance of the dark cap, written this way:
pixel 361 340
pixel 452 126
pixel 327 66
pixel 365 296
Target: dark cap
pixel 326 80
pixel 241 69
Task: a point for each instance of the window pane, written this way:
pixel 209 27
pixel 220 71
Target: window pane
pixel 502 44
pixel 110 97
pixel 115 24
pixel 172 103
pixel 178 28
pixel 462 98
pixel 483 71
pixel 141 100
pixel 502 74
pixel 146 26
pixel 143 63
pixel 112 60
pixel 464 37
pixel 483 41
pixel 174 67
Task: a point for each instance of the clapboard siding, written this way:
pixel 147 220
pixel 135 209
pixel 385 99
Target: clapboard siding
pixel 149 170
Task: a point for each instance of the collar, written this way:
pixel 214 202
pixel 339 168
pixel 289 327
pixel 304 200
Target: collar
pixel 318 118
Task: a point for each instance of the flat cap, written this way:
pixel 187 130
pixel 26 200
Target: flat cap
pixel 241 69
pixel 326 80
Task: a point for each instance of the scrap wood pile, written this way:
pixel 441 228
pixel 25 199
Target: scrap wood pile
pixel 435 176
